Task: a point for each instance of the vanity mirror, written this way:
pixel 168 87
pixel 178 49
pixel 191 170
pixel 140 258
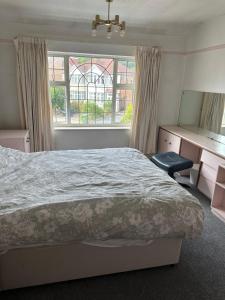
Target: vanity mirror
pixel 203 112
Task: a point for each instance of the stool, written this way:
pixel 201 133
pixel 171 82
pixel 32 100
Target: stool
pixel 171 162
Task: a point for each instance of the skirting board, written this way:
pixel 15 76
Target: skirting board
pixel 42 265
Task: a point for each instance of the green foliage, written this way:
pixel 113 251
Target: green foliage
pixel 88 110
pixel 82 60
pixel 94 112
pixel 92 107
pixel 57 97
pixel 75 106
pixel 108 106
pixel 84 106
pixel 126 119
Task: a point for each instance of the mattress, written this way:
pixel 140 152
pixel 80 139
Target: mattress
pixel 90 196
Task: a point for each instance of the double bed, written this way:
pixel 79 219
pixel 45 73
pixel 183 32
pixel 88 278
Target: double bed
pixel 72 214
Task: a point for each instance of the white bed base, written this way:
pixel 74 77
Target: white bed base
pixel 42 265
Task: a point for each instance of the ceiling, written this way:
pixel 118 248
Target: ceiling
pixel 146 14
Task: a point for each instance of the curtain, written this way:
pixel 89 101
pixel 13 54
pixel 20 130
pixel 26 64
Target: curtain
pixel 144 123
pixel 212 111
pixel 33 93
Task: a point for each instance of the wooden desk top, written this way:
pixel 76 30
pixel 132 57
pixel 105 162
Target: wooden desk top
pixel 197 139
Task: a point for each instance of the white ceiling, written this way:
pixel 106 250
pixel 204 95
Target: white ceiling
pixel 146 14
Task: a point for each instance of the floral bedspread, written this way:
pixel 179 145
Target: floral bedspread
pixel 57 197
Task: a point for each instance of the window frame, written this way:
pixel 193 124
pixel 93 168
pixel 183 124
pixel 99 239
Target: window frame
pixel 115 86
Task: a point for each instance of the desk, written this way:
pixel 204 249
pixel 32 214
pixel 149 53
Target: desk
pixel 209 153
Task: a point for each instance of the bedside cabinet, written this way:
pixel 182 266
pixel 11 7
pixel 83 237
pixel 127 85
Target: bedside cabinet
pixel 15 139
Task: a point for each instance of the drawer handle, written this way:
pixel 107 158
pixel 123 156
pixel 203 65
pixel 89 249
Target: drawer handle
pixel 165 140
pixel 170 143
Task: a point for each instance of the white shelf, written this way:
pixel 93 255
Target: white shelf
pixel 218 201
pixel 221 184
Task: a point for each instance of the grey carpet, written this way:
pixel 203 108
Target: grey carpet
pixel 199 275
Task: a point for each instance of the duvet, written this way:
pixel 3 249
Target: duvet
pixel 58 197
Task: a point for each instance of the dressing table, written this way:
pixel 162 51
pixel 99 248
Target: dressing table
pixel 203 149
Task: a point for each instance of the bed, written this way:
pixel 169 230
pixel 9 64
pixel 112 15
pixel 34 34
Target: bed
pixel 72 214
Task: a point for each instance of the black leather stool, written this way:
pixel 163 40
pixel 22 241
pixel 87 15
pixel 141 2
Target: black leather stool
pixel 171 162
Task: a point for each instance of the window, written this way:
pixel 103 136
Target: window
pixel 91 90
pixel 223 120
pixel 76 95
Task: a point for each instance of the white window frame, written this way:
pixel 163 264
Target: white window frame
pixel 66 83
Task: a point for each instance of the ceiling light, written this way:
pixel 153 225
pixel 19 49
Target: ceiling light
pixel 110 24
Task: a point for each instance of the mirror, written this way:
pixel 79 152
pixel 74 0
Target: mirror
pixel 203 112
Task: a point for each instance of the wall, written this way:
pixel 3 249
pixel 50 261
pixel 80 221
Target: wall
pixel 90 138
pixel 170 89
pixel 205 64
pixel 9 110
pixel 204 71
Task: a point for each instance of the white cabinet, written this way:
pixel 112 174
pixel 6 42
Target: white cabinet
pixel 15 139
pixel 208 172
pixel 218 200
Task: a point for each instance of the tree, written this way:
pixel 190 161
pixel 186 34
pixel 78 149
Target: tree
pixel 82 60
pixel 94 112
pixel 126 119
pixel 89 110
pixel 108 106
pixel 58 98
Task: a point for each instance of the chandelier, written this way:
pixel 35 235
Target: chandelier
pixel 110 24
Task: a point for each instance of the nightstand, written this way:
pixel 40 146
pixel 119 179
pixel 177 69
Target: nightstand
pixel 15 139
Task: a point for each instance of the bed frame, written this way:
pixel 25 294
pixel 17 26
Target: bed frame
pixel 42 265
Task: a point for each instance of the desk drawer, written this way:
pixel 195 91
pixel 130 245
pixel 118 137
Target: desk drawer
pixel 208 172
pixel 206 186
pixel 211 159
pixel 168 142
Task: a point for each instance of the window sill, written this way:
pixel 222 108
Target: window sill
pixel 91 128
